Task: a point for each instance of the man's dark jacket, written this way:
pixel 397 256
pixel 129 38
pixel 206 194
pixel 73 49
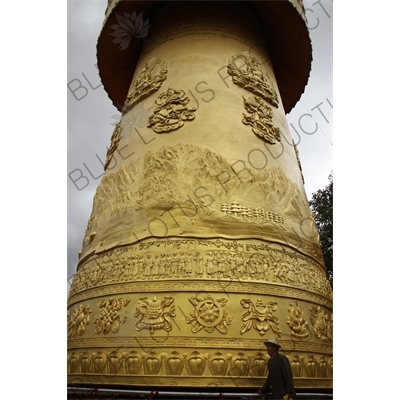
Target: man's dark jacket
pixel 280 377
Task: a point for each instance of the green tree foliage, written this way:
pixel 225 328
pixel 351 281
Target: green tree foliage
pixel 321 205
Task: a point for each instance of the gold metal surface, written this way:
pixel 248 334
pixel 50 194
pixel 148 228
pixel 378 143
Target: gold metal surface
pixel 201 243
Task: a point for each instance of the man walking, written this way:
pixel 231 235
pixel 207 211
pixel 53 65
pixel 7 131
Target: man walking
pixel 280 378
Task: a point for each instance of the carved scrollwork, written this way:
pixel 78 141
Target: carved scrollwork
pixel 245 71
pixel 260 317
pixel 109 319
pixel 147 82
pixel 260 119
pixel 78 320
pixel 115 139
pixel 154 315
pixel 209 314
pixel 296 321
pixel 171 111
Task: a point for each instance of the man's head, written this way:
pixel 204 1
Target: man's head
pixel 272 346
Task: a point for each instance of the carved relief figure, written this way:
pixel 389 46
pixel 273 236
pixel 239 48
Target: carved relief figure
pixel 78 320
pixel 245 71
pixel 171 111
pixel 209 314
pixel 115 139
pixel 321 324
pixel 109 319
pixel 147 82
pixel 296 321
pixel 261 119
pixel 154 314
pixel 260 317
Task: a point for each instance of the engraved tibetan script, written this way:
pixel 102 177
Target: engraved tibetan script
pixel 171 111
pixel 147 83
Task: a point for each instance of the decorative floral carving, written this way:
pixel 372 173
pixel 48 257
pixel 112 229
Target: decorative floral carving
pixel 296 321
pixel 153 314
pixel 209 314
pixel 115 138
pixel 110 319
pixel 260 317
pixel 261 119
pixel 171 111
pixel 147 82
pixel 245 71
pixel 78 320
pixel 320 321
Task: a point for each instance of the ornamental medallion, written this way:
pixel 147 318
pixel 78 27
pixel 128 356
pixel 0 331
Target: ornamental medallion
pixel 209 314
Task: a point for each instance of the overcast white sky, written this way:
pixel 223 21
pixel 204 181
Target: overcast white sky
pixel 91 115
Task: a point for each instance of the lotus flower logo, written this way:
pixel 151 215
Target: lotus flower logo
pixel 129 26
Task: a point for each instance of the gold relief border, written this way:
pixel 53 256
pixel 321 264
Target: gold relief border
pixel 203 286
pixel 113 271
pixel 148 344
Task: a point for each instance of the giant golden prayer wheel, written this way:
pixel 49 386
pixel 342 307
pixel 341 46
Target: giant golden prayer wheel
pixel 201 244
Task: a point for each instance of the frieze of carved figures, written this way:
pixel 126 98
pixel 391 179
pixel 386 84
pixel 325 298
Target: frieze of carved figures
pixel 277 266
pixel 260 119
pixel 245 71
pixel 115 139
pixel 258 214
pixel 259 316
pixel 78 320
pixel 152 74
pixel 153 314
pixel 298 160
pixel 172 110
pixel 109 319
pixel 209 314
pixel 296 321
pixel 322 324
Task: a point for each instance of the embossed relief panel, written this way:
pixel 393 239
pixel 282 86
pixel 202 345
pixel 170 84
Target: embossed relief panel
pixel 78 320
pixel 260 317
pixel 171 112
pixel 296 322
pixel 209 314
pixel 246 72
pixel 206 362
pixel 263 203
pixel 115 139
pixel 155 313
pixel 217 260
pixel 109 319
pixel 152 74
pixel 322 323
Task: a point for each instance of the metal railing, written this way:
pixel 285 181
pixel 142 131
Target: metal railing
pixel 105 393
